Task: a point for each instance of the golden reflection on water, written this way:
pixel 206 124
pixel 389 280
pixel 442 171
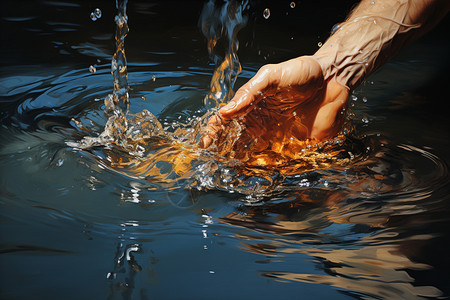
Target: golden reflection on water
pixel 376 271
pixel 374 265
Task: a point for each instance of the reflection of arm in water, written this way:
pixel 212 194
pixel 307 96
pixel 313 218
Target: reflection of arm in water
pixel 305 98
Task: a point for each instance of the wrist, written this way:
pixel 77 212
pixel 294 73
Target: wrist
pixel 344 63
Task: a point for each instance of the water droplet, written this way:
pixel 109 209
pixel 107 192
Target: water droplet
pixel 92 69
pixel 98 13
pixel 319 44
pixel 373 2
pixel 354 98
pixel 154 78
pixel 266 13
pixel 292 5
pixel 335 28
pixel 364 99
pixel 93 16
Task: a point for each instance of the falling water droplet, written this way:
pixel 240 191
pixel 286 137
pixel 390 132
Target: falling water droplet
pixel 364 99
pixel 319 44
pixel 98 13
pixel 154 78
pixel 266 13
pixel 92 69
pixel 292 5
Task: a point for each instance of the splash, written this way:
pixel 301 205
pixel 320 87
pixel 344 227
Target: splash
pixel 118 129
pixel 138 146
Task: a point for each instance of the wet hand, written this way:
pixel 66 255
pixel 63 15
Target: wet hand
pixel 282 103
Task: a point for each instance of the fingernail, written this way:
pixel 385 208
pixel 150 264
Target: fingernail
pixel 229 106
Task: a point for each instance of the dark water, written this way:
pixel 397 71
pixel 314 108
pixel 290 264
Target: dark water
pixel 375 226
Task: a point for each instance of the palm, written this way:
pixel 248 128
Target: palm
pixel 282 105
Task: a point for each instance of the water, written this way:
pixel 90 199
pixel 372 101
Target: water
pixel 266 13
pixel 364 216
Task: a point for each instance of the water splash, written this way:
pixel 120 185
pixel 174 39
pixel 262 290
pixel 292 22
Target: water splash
pixel 140 147
pixel 118 129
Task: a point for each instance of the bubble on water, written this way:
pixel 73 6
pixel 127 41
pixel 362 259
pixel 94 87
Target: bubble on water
pixel 266 13
pixel 92 69
pixel 292 5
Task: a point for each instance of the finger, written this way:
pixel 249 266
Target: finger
pixel 330 116
pixel 250 93
pixel 212 131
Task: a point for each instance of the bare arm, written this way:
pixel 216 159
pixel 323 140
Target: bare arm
pixel 374 32
pixel 305 97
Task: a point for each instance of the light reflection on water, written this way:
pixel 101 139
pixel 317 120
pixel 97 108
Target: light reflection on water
pixel 374 225
pixel 358 223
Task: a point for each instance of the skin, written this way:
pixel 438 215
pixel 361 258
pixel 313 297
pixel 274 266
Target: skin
pixel 305 98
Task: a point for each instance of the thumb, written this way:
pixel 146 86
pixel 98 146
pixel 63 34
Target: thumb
pixel 249 94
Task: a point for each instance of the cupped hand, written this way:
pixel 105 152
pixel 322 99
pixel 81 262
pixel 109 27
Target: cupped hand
pixel 282 105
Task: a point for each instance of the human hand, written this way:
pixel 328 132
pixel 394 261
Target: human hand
pixel 281 106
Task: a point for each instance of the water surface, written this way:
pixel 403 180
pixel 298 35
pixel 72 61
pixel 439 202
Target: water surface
pixel 369 223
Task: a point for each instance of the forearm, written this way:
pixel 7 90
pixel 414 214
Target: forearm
pixel 374 32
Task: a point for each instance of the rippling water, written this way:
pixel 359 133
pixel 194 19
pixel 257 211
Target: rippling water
pixel 367 219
